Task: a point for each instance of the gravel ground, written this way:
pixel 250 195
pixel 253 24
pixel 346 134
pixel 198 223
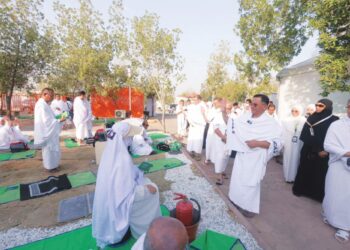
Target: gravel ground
pixel 215 213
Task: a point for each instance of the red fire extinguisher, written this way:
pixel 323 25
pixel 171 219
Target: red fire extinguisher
pixel 184 209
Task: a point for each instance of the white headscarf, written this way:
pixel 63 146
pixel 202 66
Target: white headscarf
pixel 115 187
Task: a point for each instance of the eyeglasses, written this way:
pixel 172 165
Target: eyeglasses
pixel 320 105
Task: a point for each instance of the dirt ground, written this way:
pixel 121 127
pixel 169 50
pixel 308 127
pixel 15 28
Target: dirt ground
pixel 42 212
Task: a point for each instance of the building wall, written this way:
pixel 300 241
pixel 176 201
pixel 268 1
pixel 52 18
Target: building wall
pixel 303 89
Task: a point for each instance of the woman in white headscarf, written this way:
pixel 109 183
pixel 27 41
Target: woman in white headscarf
pixel 292 127
pixel 123 197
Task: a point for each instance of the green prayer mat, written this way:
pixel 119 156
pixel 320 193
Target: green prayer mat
pixel 211 240
pixel 156 136
pixel 160 164
pixel 69 143
pixel 80 179
pixel 9 193
pixel 78 239
pixel 17 156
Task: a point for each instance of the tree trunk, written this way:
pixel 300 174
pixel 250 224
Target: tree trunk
pixel 163 118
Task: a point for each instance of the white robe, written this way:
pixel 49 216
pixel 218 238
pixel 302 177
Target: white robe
pixel 197 126
pixel 209 144
pixel 181 120
pixel 336 203
pixel 221 155
pixel 10 134
pixel 81 118
pixel 46 134
pixel 292 145
pixel 56 107
pixel 139 146
pixel 121 197
pixel 250 164
pixel 89 121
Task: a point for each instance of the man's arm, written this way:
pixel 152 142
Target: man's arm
pixel 258 144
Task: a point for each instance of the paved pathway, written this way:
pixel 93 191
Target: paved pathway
pixel 285 221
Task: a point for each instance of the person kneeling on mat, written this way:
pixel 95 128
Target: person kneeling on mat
pixel 124 198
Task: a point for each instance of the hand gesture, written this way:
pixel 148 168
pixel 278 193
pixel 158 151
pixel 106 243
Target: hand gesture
pixel 322 154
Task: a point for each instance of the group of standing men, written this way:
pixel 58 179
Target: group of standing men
pixel 255 135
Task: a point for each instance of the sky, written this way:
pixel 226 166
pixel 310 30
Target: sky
pixel 203 23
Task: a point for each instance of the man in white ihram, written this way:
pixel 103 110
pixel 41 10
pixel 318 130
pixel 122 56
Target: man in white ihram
pixel 256 138
pixel 81 117
pixel 47 131
pixel 336 203
pixel 123 197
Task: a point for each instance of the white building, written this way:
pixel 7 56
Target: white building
pixel 300 84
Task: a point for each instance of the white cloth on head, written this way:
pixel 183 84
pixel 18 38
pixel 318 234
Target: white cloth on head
pixel 139 146
pixel 220 156
pixel 209 143
pixel 292 127
pixel 120 194
pixel 181 120
pixel 81 118
pixel 250 163
pixel 336 203
pixel 197 123
pixel 46 134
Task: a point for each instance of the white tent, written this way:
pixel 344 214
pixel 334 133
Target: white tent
pixel 300 84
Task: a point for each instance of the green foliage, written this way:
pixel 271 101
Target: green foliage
pixel 84 50
pixel 233 91
pixel 272 33
pixel 23 49
pixel 217 72
pixel 332 20
pixel 155 51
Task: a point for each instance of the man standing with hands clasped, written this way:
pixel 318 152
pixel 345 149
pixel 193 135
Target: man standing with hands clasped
pixel 256 138
pixel 47 130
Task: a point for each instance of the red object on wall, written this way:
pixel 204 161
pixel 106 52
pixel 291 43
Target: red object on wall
pixel 104 106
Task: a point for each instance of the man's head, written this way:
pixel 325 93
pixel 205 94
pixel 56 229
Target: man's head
pixel 82 94
pixel 57 97
pixel 181 102
pixel 259 104
pixel 47 94
pixel 197 99
pixel 145 124
pixel 235 105
pixel 217 102
pixel 348 108
pixel 271 108
pixel 228 108
pixel 166 233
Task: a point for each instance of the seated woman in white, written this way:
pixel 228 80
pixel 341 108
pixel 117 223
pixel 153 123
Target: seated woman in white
pixel 123 197
pixel 10 133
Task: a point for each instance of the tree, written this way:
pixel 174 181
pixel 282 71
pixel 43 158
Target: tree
pixel 84 51
pixel 272 33
pixel 23 48
pixel 217 72
pixel 159 64
pixel 233 91
pixel 331 19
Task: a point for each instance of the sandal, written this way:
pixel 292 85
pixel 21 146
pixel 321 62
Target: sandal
pixel 219 183
pixel 324 218
pixel 225 176
pixel 342 236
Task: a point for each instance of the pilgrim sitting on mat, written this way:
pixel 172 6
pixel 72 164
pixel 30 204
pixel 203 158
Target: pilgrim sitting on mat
pixel 163 233
pixel 10 133
pixel 141 143
pixel 124 198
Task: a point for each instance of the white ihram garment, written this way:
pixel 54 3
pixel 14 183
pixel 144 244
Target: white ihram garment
pixel 250 164
pixel 10 134
pixel 197 126
pixel 292 145
pixel 209 144
pixel 81 118
pixel 221 155
pixel 336 202
pixel 181 120
pixel 46 134
pixel 55 105
pixel 121 197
